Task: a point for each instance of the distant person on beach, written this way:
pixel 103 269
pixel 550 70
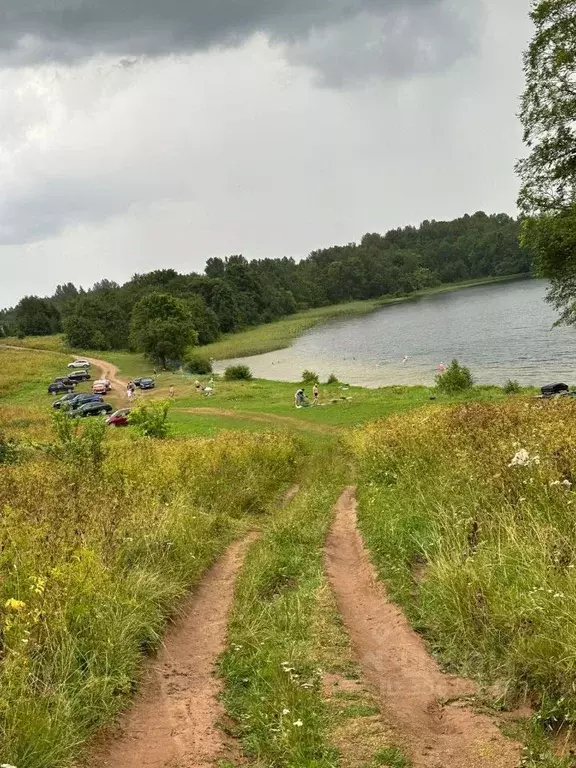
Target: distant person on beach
pixel 405 359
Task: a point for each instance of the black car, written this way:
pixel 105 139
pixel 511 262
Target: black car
pixel 65 400
pixel 64 380
pixel 59 387
pixel 79 376
pixel 92 409
pixel 79 400
pixel 147 384
pixel 137 382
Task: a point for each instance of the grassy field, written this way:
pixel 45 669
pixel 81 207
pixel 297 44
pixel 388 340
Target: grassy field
pixel 469 513
pixel 88 577
pixel 466 504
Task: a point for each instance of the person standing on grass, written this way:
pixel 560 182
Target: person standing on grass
pixel 299 398
pixel 172 392
pixel 316 392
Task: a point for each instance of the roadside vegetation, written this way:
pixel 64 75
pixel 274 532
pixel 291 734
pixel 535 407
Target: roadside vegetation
pixel 90 575
pixel 469 514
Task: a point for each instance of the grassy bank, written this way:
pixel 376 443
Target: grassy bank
pixel 469 514
pixel 97 548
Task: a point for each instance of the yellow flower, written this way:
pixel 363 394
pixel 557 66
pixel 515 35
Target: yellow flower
pixel 14 605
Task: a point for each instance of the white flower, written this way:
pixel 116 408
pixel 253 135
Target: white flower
pixel 523 459
pixel 554 483
pixel 5 765
pixel 567 483
pixel 298 723
pixel 285 711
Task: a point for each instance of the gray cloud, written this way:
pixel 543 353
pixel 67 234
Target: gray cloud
pixel 360 37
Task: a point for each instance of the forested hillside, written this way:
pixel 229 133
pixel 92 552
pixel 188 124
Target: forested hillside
pixel 234 293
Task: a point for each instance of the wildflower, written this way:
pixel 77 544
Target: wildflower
pixel 566 483
pixel 14 605
pixel 285 711
pixel 523 459
pixel 298 723
pixel 5 765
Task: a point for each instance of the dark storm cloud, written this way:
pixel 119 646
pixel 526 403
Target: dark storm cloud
pixel 396 37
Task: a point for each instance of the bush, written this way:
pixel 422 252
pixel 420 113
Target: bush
pixel 512 387
pixel 198 364
pixel 332 379
pixel 238 373
pixel 456 378
pixel 151 418
pixel 309 377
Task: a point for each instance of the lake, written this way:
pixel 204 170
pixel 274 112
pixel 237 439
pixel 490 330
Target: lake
pixel 501 331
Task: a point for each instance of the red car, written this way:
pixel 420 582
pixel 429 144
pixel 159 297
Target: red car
pixel 119 418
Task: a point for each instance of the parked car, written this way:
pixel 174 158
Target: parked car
pixel 80 363
pixel 65 400
pixel 147 384
pixel 59 388
pixel 91 409
pixel 119 418
pixel 82 375
pixel 101 387
pixel 64 380
pixel 85 398
pixel 137 382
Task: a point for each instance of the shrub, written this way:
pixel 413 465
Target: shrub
pixel 198 364
pixel 238 373
pixel 456 378
pixel 309 377
pixel 512 387
pixel 332 379
pixel 151 418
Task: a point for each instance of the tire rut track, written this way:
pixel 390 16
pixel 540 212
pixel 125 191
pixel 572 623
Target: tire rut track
pixel 396 664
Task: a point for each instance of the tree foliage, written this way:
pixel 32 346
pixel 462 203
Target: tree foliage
pixel 162 327
pixel 234 293
pixel 36 317
pixel 456 378
pixel 548 174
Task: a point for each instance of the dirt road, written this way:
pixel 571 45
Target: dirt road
pixel 408 682
pixel 110 372
pixel 173 723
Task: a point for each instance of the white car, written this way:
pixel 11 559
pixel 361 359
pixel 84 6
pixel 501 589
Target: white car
pixel 79 364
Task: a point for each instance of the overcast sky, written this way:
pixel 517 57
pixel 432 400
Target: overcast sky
pixel 138 134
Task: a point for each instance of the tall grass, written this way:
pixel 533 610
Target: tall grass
pixel 470 516
pixel 96 549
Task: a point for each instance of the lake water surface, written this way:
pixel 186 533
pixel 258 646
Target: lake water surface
pixel 500 331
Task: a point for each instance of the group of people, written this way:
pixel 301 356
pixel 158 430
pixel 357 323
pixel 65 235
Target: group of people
pixel 300 400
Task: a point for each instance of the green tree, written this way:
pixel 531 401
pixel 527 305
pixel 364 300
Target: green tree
pixel 548 174
pixel 36 317
pixel 162 328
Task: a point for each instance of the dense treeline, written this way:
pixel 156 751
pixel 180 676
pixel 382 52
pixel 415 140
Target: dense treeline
pixel 234 293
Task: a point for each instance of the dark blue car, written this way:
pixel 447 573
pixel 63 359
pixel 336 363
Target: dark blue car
pixel 147 384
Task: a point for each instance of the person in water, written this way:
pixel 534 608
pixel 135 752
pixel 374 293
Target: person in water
pixel 441 368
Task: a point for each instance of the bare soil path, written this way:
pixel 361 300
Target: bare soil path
pixel 110 372
pixel 423 705
pixel 173 723
pixel 259 416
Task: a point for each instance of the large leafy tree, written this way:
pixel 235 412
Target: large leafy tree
pixel 162 327
pixel 548 194
pixel 36 317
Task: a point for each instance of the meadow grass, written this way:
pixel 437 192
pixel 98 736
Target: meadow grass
pixel 469 516
pixel 97 547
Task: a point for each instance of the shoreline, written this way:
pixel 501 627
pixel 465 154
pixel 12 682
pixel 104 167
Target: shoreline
pixel 282 333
